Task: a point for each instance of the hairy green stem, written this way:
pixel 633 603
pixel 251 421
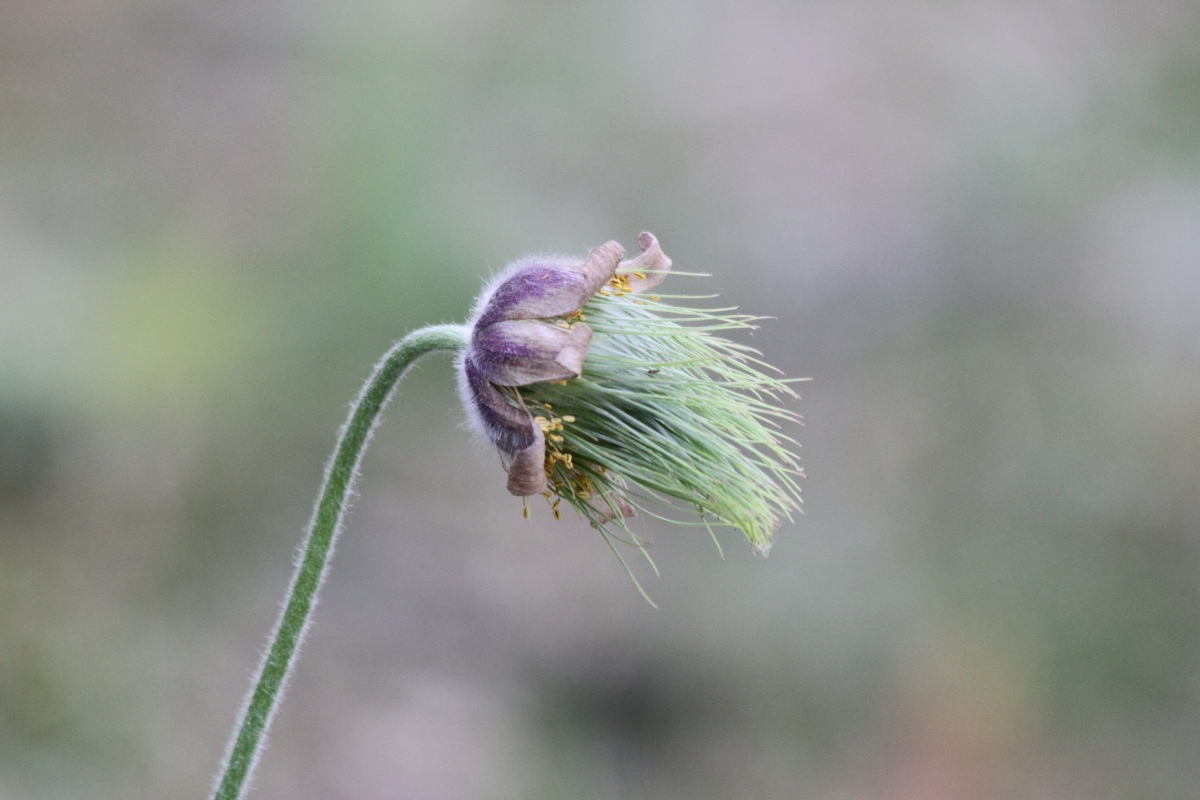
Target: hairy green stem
pixel 245 746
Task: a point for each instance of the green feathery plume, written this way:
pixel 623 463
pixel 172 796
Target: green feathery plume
pixel 668 412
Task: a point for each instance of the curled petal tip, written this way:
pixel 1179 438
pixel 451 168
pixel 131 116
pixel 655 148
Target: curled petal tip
pixel 600 266
pixel 527 473
pixel 648 269
pixel 574 350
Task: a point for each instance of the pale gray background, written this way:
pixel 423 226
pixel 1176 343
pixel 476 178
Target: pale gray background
pixel 978 224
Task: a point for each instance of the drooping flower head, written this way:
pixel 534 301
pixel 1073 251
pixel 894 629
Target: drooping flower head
pixel 595 392
pixel 599 393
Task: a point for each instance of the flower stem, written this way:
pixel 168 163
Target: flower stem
pixel 245 746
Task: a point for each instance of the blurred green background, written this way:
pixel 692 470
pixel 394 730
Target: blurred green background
pixel 978 226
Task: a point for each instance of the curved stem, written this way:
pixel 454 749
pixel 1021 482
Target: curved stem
pixel 340 473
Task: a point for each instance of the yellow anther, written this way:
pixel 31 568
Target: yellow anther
pixel 620 284
pixel 654 297
pixel 568 418
pixel 526 512
pixel 547 406
pixel 556 514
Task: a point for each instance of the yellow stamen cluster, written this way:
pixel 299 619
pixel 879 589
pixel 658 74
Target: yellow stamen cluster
pixel 566 479
pixel 550 425
pixel 571 320
pixel 620 284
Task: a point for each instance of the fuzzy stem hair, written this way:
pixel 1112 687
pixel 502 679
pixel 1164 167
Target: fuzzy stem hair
pixel 250 732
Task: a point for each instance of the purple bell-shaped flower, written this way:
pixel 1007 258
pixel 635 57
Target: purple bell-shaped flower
pixel 526 329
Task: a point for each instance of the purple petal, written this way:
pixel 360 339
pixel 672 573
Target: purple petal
pixel 521 352
pixel 509 428
pixel 539 288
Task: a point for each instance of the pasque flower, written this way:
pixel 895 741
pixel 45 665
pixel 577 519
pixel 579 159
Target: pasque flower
pixel 528 328
pixel 596 392
pixel 604 395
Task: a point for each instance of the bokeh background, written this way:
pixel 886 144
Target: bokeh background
pixel 978 226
